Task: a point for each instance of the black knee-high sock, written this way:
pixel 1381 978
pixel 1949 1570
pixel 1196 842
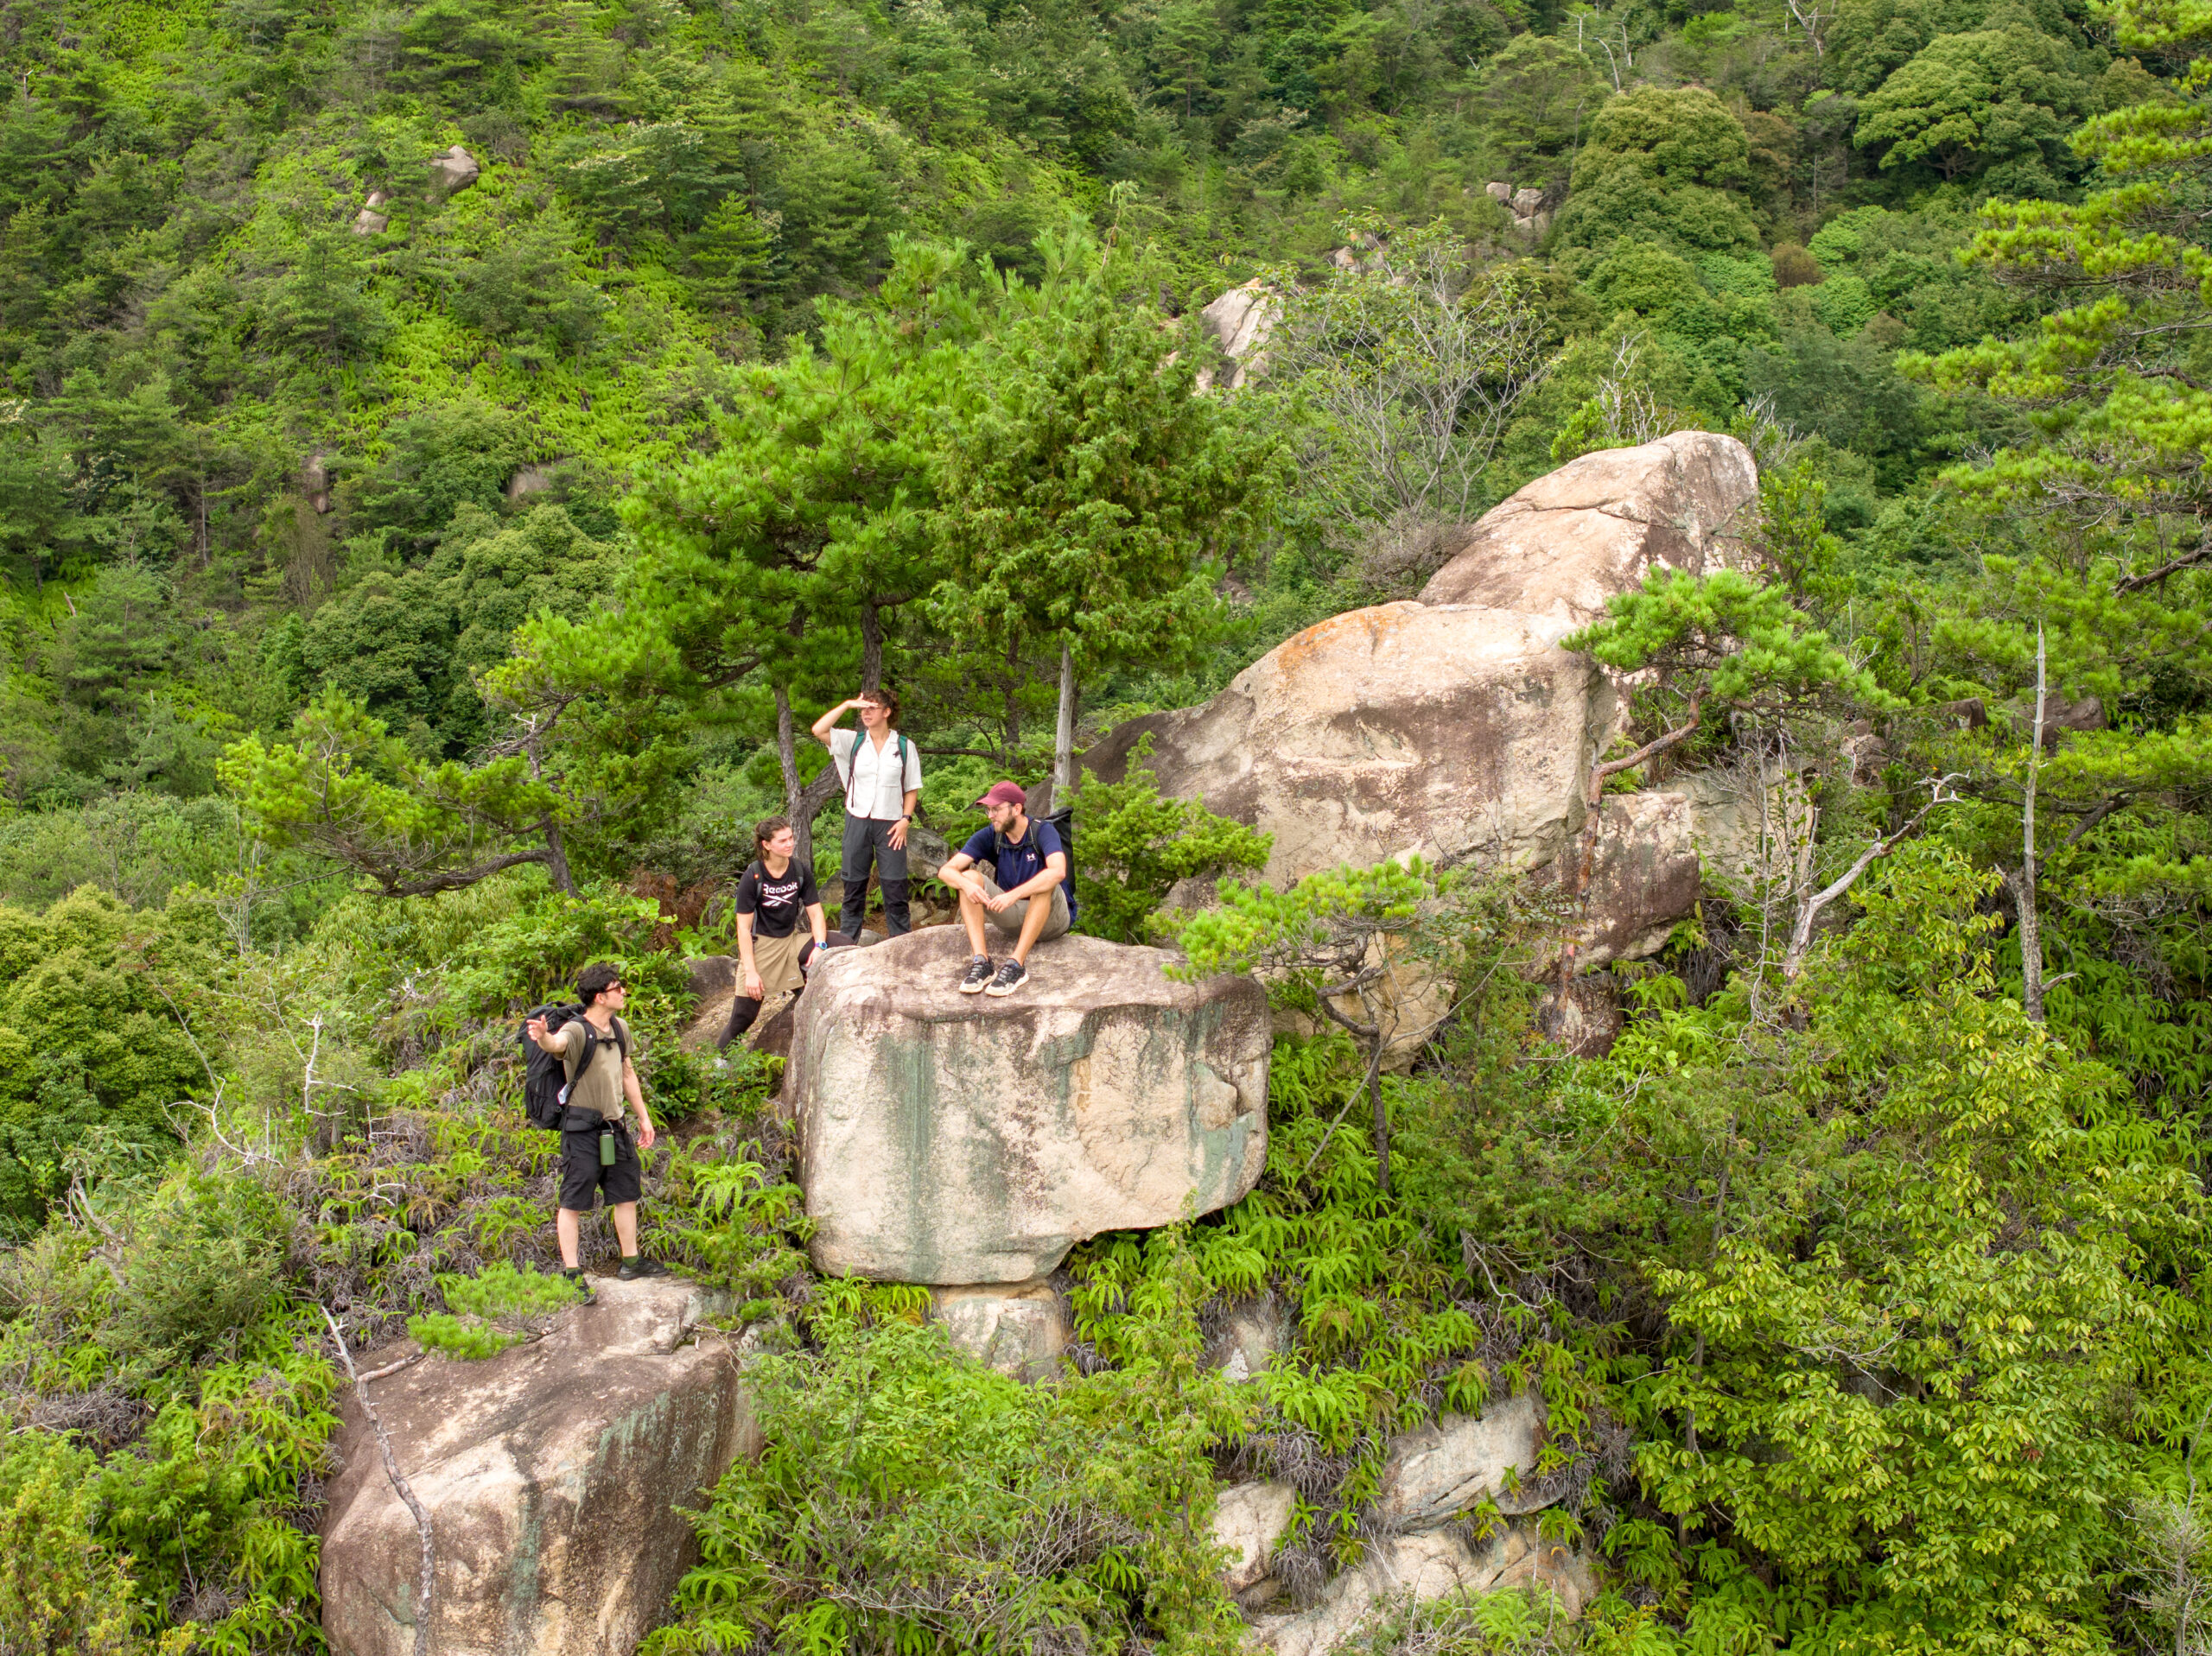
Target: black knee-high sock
pixel 742 1011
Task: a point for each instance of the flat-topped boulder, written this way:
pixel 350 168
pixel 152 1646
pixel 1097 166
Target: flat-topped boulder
pixel 955 1139
pixel 555 1475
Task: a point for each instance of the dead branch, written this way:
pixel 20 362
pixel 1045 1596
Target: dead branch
pixel 399 1484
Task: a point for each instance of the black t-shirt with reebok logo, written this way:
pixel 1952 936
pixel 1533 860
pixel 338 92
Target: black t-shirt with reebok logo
pixel 778 902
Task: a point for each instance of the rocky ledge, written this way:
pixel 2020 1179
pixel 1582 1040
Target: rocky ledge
pixel 554 1475
pixel 954 1139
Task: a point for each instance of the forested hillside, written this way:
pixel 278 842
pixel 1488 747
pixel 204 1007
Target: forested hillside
pixel 450 453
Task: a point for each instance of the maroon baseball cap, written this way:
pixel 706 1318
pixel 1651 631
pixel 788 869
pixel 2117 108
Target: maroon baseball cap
pixel 1004 793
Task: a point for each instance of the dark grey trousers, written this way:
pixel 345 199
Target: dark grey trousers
pixel 868 839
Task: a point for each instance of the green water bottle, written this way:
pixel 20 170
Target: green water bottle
pixel 607 1147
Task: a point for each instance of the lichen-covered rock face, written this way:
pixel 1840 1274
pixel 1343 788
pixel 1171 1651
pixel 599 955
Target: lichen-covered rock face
pixel 1423 1567
pixel 1453 1465
pixel 1644 876
pixel 1022 1330
pixel 554 1475
pixel 1455 732
pixel 1435 1478
pixel 1565 543
pixel 961 1139
pixel 955 1140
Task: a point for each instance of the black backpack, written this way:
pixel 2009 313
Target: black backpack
pixel 545 1081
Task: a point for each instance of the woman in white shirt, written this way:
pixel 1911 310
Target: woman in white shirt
pixel 882 777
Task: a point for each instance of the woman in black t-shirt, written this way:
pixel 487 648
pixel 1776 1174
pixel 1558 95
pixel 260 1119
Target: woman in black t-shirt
pixel 775 897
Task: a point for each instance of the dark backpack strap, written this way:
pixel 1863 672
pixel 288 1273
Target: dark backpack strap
pixel 584 1063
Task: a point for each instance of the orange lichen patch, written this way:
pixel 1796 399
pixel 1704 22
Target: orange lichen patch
pixel 1378 622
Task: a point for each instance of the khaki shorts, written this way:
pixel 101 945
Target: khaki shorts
pixel 777 959
pixel 1009 920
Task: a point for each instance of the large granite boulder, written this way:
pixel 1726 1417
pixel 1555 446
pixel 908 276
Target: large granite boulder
pixel 554 1475
pixel 1569 542
pixel 1239 321
pixel 957 1140
pixel 1454 731
pixel 456 168
pixel 1457 726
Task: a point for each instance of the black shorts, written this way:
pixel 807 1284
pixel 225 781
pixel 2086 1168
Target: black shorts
pixel 582 1178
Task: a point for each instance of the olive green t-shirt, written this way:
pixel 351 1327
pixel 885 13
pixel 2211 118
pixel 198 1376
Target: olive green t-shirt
pixel 600 1088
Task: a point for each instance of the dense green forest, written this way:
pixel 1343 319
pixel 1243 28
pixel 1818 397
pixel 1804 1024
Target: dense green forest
pixel 450 451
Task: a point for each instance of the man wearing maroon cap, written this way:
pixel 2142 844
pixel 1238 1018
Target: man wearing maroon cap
pixel 1027 892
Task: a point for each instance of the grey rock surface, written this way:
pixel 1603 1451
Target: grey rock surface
pixel 1449 1467
pixel 1567 543
pixel 1022 1330
pixel 1457 731
pixel 1423 1567
pixel 957 1140
pixel 1241 320
pixel 1249 1520
pixel 456 169
pixel 554 1475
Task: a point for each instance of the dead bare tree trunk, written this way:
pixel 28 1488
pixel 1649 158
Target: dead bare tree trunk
pixel 1063 727
pixel 1809 908
pixel 399 1484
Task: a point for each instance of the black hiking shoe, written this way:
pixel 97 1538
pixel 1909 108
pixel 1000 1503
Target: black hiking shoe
pixel 1011 977
pixel 979 973
pixel 640 1266
pixel 584 1283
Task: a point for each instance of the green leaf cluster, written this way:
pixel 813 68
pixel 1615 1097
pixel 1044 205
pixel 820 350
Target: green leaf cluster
pixel 1137 847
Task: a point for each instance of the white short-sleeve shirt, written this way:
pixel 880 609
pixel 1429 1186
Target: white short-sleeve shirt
pixel 872 775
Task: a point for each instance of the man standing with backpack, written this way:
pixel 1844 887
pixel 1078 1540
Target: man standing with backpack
pixel 882 775
pixel 597 1157
pixel 1029 891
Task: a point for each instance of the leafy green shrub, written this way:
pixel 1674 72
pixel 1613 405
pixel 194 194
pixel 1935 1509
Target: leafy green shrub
pixel 909 1499
pixel 87 1040
pixel 200 1268
pixel 61 1590
pixel 206 1507
pixel 1385 1335
pixel 1846 303
pixel 1132 845
pixel 735 1227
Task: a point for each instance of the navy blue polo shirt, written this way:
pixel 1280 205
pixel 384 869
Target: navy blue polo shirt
pixel 1022 860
